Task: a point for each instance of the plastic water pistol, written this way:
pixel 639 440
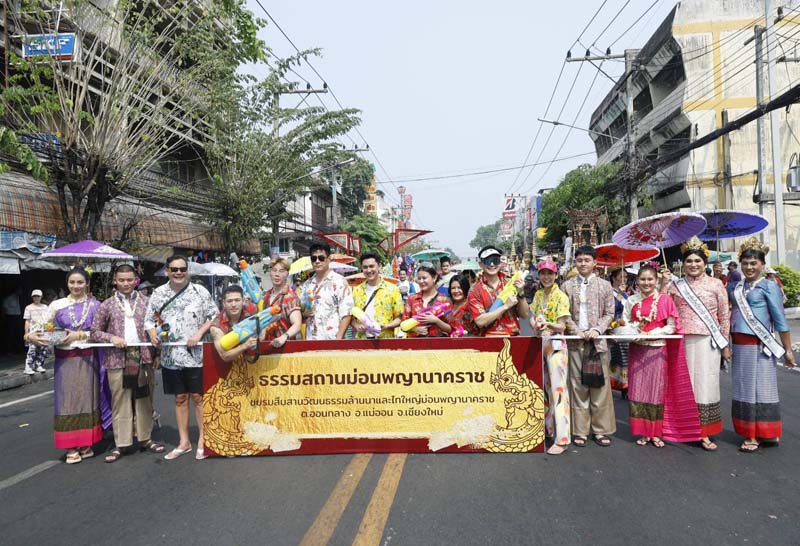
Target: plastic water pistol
pixel 508 290
pixel 252 325
pixel 438 309
pixel 250 284
pixel 458 331
pixel 373 328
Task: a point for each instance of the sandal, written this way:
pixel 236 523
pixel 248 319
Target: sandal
pixel 200 454
pixel 73 457
pixel 642 441
pixel 708 445
pixel 152 447
pixel 177 452
pixel 579 441
pixel 748 447
pixel 113 456
pixel 658 442
pixel 556 449
pixel 602 440
pixel 86 452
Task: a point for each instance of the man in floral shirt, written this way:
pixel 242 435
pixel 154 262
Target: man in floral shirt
pixel 379 299
pixel 326 298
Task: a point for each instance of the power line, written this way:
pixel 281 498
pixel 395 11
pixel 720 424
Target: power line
pixel 633 24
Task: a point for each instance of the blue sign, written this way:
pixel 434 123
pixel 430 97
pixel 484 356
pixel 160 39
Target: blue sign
pixel 61 47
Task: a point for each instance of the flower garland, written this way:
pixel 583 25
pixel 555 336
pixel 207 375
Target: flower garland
pixel 76 324
pixel 651 316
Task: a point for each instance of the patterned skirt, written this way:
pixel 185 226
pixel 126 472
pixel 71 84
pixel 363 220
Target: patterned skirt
pixel 647 387
pixel 756 407
pixel 703 359
pixel 619 364
pixel 77 399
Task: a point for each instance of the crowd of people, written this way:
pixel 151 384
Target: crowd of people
pixel 669 338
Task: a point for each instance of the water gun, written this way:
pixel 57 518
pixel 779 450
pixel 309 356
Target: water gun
pixel 250 326
pixel 506 292
pixel 250 284
pixel 458 331
pixel 373 328
pixel 438 309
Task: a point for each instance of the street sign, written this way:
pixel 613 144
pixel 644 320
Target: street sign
pixel 510 208
pixel 61 47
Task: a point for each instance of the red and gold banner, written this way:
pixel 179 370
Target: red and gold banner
pixel 395 395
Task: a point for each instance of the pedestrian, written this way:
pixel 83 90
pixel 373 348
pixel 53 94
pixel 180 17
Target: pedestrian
pixel 378 299
pixel 181 312
pixel 444 278
pixel 733 274
pixel 129 368
pixel 568 250
pixel 591 301
pixel 419 304
pixel 550 310
pixel 505 320
pixel 12 321
pixel 773 276
pixel 76 373
pixel 407 286
pixel 757 312
pixel 660 398
pixel 460 318
pixel 233 312
pixel 716 267
pixel 326 298
pixel 704 314
pixel 35 316
pixel 288 326
pixel 618 349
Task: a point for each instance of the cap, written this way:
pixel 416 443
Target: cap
pixel 488 251
pixel 550 265
pixel 36 292
pixel 771 271
pixel 734 264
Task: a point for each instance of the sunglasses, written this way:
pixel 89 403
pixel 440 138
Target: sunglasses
pixel 179 269
pixel 318 258
pixel 493 260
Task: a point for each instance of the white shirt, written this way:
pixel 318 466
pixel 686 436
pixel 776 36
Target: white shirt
pixel 131 336
pixel 370 310
pixel 583 309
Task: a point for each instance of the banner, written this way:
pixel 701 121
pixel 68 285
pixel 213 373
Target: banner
pixel 393 395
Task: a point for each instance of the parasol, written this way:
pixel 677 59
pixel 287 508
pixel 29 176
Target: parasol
pixel 194 269
pixel 612 254
pixel 87 249
pixel 660 231
pixel 342 268
pixel 726 224
pixel 430 254
pixel 214 269
pixel 342 258
pixel 469 265
pixel 304 264
pixel 358 278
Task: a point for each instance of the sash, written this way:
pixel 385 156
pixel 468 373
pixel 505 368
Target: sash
pixel 771 345
pixel 699 308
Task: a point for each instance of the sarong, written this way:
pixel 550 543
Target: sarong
pixel 557 408
pixel 702 360
pixel 619 364
pixel 77 399
pixel 756 407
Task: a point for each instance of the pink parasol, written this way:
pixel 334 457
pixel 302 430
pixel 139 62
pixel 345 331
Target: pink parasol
pixel 660 231
pixel 612 254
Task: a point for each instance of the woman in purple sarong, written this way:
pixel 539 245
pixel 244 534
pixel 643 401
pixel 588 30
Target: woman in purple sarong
pixel 77 387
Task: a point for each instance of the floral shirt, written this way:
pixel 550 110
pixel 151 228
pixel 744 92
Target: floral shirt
pixel 185 315
pixel 289 302
pixel 551 307
pixel 326 304
pixel 713 295
pixel 109 321
pixel 386 305
pixel 415 304
pixel 461 317
pixel 480 299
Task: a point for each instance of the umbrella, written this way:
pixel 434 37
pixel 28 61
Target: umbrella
pixel 214 269
pixel 342 258
pixel 725 224
pixel 342 268
pixel 88 249
pixel 194 269
pixel 720 256
pixel 358 278
pixel 430 254
pixel 300 265
pixel 469 265
pixel 660 231
pixel 613 254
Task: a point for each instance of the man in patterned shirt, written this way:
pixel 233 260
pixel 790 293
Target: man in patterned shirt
pixel 326 298
pixel 379 299
pixel 183 311
pixel 505 320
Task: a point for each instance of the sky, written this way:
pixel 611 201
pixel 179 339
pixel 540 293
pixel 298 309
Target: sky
pixel 450 87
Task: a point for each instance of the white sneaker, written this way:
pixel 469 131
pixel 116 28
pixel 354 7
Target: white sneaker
pixel 29 370
pixel 40 369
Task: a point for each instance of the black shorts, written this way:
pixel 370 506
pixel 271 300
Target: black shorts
pixel 182 381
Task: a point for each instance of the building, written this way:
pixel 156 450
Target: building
pixel 693 75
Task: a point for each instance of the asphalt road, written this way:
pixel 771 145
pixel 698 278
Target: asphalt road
pixel 623 494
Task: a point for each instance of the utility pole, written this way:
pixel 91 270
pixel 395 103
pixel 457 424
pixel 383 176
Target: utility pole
pixel 777 163
pixel 760 132
pixel 276 95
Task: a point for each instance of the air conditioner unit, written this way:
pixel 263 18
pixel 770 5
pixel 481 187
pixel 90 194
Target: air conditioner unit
pixel 793 178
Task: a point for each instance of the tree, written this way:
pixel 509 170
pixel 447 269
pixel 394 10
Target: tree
pixel 584 187
pixel 486 235
pixel 138 87
pixel 355 176
pixel 369 229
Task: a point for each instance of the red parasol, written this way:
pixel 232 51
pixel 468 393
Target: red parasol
pixel 611 254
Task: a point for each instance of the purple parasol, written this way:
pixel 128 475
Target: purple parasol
pixel 660 231
pixel 88 249
pixel 725 224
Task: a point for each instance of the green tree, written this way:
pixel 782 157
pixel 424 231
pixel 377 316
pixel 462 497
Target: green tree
pixel 369 229
pixel 486 235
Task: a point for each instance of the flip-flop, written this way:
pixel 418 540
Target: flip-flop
pixel 177 452
pixel 200 454
pixel 708 445
pixel 73 458
pixel 642 442
pixel 749 447
pixel 556 449
pixel 658 442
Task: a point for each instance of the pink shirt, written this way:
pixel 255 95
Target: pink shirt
pixel 712 293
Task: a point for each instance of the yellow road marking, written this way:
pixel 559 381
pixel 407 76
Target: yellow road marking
pixel 323 527
pixel 370 531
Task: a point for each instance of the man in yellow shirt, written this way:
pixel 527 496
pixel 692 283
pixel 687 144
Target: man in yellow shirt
pixel 379 299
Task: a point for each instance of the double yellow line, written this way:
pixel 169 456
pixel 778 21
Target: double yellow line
pixel 374 521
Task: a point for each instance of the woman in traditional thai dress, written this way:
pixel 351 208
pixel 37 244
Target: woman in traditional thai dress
pixel 550 310
pixel 704 314
pixel 77 387
pixel 460 318
pixel 757 311
pixel 429 324
pixel 619 349
pixel 657 374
